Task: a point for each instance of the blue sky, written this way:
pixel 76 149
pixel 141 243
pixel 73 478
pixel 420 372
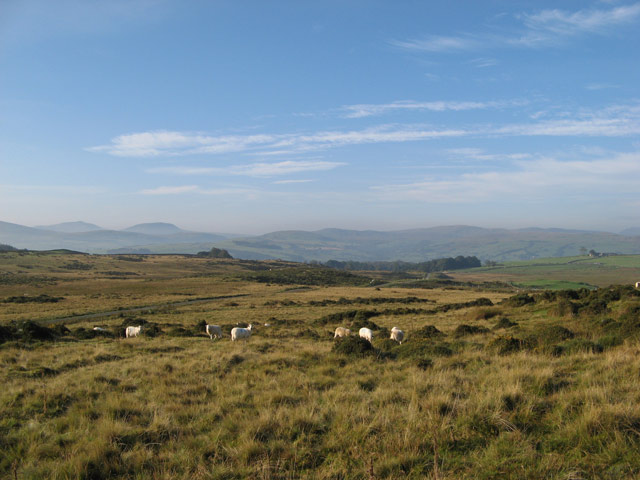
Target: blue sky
pixel 254 116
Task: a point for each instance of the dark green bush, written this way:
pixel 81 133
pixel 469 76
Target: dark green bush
pixel 353 346
pixel 422 349
pixel 28 299
pixel 463 330
pixel 504 345
pixel 504 322
pixel 564 308
pixel 610 341
pixel 82 333
pixel 426 332
pixel 554 333
pixel 182 332
pixel 519 300
pixel 577 345
pixel 424 363
pixel 30 330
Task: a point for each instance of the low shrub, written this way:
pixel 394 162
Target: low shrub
pixel 610 341
pixel 30 330
pixel 422 349
pixel 181 332
pixel 463 330
pixel 424 363
pixel 37 299
pixel 578 345
pixel 483 314
pixel 519 300
pixel 82 333
pixel 353 346
pixel 504 322
pixel 426 332
pixel 564 308
pixel 504 345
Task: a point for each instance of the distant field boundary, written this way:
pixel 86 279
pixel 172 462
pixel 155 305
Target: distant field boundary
pixel 150 308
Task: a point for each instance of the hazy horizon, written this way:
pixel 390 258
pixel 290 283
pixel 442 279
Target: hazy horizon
pixel 253 117
pixel 258 233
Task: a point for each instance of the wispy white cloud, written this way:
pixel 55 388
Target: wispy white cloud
pixel 601 86
pixel 542 178
pixel 480 154
pixel 262 169
pixel 194 189
pixel 57 189
pixel 164 143
pixel 286 182
pixel 484 62
pixel 564 23
pixel 176 190
pixel 438 43
pixel 367 110
pixel 615 121
pixel 544 28
pixel 283 168
pixel 151 144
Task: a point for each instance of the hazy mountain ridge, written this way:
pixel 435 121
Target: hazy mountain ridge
pixel 98 241
pixel 428 243
pixel 70 227
pixel 414 245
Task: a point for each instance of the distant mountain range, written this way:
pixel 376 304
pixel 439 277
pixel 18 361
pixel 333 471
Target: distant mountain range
pixel 86 237
pixel 322 245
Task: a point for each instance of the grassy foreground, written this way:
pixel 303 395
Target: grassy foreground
pixel 487 385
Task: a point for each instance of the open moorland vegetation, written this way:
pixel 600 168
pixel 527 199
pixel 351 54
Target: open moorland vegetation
pixel 490 382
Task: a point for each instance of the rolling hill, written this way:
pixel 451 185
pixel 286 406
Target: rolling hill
pixel 331 244
pixel 428 243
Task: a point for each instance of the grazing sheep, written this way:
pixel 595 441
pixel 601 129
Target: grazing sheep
pixel 366 333
pixel 214 331
pixel 342 332
pixel 397 335
pixel 238 333
pixel 132 331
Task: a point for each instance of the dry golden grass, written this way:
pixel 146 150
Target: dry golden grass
pixel 284 405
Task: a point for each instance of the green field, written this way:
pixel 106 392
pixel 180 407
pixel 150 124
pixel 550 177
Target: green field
pixel 560 273
pixel 488 384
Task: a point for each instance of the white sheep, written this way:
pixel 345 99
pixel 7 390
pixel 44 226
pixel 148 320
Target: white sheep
pixel 397 335
pixel 214 331
pixel 132 331
pixel 238 333
pixel 99 329
pixel 342 332
pixel 366 333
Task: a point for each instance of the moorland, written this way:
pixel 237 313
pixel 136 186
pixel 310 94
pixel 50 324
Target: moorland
pixel 495 379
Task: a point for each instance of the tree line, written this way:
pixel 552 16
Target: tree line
pixel 437 265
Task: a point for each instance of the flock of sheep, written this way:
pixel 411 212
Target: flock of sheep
pixel 367 334
pixel 238 333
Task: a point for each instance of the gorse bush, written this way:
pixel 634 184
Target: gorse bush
pixel 353 346
pixel 464 330
pixel 504 322
pixel 426 332
pixel 504 345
